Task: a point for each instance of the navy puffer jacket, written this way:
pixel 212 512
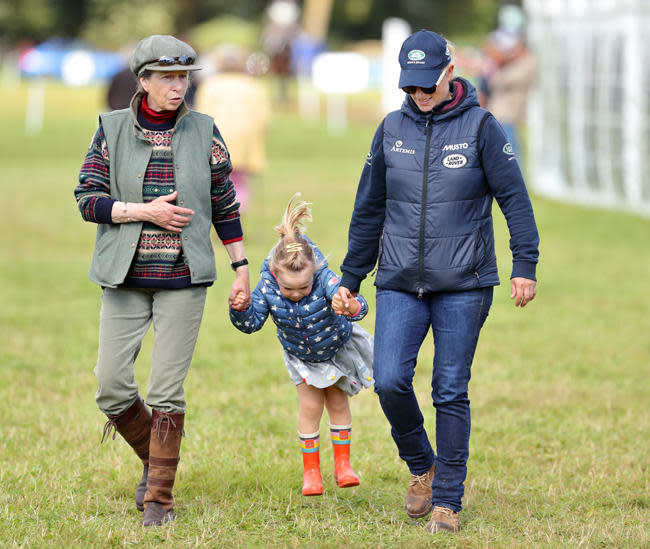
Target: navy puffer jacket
pixel 309 328
pixel 423 210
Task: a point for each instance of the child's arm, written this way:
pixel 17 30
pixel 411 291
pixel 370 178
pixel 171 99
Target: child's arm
pixel 363 308
pixel 358 305
pixel 252 319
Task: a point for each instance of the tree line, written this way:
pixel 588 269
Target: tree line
pixel 112 23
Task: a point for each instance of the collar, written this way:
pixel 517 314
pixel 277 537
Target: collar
pixel 153 116
pixel 457 93
pixel 162 123
pixel 181 112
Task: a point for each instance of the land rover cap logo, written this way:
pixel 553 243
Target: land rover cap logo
pixel 416 55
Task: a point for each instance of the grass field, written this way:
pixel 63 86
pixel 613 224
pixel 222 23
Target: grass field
pixel 560 390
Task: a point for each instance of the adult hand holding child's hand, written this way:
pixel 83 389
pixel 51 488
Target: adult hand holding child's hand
pixel 343 303
pixel 239 303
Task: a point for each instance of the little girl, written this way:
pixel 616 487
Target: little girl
pixel 328 358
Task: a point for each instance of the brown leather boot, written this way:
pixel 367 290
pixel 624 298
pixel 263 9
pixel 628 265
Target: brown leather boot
pixel 164 451
pixel 443 518
pixel 418 496
pixel 134 425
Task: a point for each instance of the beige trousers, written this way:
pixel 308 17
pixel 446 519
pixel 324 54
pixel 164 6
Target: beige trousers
pixel 125 317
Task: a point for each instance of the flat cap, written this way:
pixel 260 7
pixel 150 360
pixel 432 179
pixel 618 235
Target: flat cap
pixel 162 53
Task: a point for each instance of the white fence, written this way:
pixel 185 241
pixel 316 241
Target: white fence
pixel 589 116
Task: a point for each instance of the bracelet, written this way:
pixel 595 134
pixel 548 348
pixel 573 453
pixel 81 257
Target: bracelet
pixel 236 264
pixel 127 219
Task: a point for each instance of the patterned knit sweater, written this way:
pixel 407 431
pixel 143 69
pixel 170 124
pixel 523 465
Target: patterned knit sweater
pixel 159 261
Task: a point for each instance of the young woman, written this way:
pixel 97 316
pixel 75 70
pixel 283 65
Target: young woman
pixel 423 212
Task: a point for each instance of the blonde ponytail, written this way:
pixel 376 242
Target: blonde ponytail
pixel 293 252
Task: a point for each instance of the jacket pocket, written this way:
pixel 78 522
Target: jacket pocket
pixel 480 249
pixel 380 253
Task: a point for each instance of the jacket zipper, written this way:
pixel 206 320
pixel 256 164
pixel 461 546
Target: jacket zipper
pixel 428 130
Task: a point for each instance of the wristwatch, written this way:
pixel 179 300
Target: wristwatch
pixel 236 264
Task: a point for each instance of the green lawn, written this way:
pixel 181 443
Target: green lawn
pixel 560 391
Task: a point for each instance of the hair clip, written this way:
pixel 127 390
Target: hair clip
pixel 293 247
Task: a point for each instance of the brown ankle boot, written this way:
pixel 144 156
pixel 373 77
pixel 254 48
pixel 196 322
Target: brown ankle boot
pixel 418 496
pixel 134 425
pixel 443 518
pixel 164 451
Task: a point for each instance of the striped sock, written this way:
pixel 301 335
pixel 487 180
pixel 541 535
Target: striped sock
pixel 309 443
pixel 341 434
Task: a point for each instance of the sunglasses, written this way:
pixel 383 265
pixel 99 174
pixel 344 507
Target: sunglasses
pixel 168 60
pixel 412 89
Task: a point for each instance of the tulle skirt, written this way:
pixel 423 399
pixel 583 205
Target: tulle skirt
pixel 349 369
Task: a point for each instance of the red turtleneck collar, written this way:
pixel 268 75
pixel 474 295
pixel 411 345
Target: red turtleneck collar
pixel 153 116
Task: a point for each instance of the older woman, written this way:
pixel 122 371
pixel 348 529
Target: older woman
pixel 154 179
pixel 423 212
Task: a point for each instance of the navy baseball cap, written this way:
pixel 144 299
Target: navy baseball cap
pixel 423 57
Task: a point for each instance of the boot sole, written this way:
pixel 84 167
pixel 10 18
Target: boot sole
pixel 347 483
pixel 169 517
pixel 312 494
pixel 419 515
pixel 442 527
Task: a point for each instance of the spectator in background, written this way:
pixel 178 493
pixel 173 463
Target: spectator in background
pixel 241 107
pixel 509 72
pixel 280 30
pixel 121 89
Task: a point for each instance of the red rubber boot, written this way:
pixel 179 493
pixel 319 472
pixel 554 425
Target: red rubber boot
pixel 312 481
pixel 344 475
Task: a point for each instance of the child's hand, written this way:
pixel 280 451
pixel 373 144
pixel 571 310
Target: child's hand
pixel 339 308
pixel 239 303
pixel 337 305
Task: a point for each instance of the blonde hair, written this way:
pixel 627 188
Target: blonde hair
pixel 293 252
pixel 452 49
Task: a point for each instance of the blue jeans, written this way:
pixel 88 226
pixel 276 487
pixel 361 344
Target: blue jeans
pixel 402 322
